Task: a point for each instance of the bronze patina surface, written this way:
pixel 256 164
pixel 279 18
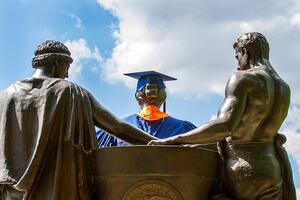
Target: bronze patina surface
pixel 155 173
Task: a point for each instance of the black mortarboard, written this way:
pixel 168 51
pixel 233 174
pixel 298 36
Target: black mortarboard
pixel 153 77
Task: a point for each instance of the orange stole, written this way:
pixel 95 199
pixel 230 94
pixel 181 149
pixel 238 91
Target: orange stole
pixel 152 113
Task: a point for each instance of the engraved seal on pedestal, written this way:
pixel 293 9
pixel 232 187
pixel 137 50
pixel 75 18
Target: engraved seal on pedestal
pixel 152 190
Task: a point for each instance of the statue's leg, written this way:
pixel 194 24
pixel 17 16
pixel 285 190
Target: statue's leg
pixel 221 197
pixel 253 173
pixel 274 193
pixel 255 190
pixel 9 193
pixel 1 192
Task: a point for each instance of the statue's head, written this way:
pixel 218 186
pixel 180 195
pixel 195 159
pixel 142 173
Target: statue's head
pixel 150 89
pixel 255 45
pixel 151 94
pixel 52 54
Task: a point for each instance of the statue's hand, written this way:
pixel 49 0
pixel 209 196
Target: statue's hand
pixel 161 142
pixel 154 142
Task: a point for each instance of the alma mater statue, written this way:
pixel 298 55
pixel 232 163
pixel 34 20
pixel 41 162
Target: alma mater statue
pixel 255 105
pixel 46 126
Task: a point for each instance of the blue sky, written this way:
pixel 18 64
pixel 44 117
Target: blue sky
pixel 190 40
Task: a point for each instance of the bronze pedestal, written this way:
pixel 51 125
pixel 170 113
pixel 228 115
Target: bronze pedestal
pixel 155 173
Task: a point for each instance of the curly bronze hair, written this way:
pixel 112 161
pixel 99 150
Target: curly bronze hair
pixel 254 43
pixel 50 52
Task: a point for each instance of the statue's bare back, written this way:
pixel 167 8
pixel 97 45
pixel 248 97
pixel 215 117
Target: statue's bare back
pixel 266 99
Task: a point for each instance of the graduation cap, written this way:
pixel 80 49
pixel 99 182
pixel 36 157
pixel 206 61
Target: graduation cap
pixel 150 77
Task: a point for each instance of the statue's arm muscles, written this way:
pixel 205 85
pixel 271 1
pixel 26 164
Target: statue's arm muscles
pixel 107 121
pixel 227 120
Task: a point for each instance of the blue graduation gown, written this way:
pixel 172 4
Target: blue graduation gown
pixel 162 128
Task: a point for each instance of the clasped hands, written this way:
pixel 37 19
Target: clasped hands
pixel 166 141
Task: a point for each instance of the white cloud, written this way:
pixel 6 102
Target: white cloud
pixel 295 21
pixel 298 193
pixel 76 21
pixel 81 52
pixel 192 40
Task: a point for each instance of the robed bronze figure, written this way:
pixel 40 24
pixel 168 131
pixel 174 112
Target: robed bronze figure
pixel 255 105
pixel 47 126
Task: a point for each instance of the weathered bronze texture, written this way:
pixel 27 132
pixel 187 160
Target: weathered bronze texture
pixel 155 172
pixel 151 95
pixel 255 105
pixel 47 126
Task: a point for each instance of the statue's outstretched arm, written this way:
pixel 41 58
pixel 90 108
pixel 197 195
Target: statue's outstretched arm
pixel 110 123
pixel 228 118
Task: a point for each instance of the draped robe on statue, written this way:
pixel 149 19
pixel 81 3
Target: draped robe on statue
pixel 46 126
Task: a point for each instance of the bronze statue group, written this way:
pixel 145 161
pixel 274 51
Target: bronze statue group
pixel 47 128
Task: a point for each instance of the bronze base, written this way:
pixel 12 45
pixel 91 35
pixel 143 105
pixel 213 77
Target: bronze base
pixel 155 173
